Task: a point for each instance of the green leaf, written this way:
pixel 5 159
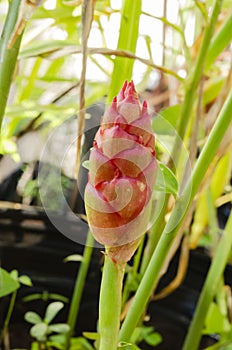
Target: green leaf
pixel 33 317
pixel 127 346
pixel 74 257
pixel 52 310
pixel 14 274
pixel 55 345
pixel 133 281
pixel 91 335
pixel 80 343
pixel 35 346
pixel 166 121
pixel 85 164
pixel 59 328
pixel 45 296
pixel 166 180
pixel 25 280
pixel 57 341
pixel 140 333
pixel 219 42
pixel 215 322
pixel 43 48
pixel 153 339
pixel 212 89
pixel 39 331
pixel 7 284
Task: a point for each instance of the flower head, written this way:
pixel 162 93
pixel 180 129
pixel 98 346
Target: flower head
pixel 122 172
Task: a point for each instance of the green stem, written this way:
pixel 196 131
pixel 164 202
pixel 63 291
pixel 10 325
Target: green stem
pixel 220 41
pixel 110 304
pixel 194 79
pixel 132 273
pixel 183 203
pixel 8 56
pixel 128 37
pixel 79 286
pixel 210 287
pixel 155 233
pixel 8 315
pixel 186 110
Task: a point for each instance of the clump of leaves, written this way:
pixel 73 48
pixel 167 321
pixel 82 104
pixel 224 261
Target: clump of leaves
pixel 43 329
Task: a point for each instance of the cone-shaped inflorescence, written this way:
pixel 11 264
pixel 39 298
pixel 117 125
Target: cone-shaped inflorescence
pixel 122 171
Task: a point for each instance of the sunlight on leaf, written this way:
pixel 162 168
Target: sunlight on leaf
pixel 7 283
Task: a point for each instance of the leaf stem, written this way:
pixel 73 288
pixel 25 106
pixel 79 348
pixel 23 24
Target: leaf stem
pixel 210 287
pixel 110 303
pixel 8 316
pixel 171 229
pixel 130 15
pixel 219 42
pixel 79 286
pixel 133 272
pixel 194 78
pixel 8 56
pixel 186 110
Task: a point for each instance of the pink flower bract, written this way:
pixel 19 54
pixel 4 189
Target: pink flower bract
pixel 122 172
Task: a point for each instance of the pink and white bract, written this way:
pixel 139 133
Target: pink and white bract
pixel 122 172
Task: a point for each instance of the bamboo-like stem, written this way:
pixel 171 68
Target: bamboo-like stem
pixel 186 110
pixel 79 286
pixel 164 29
pixel 134 271
pixel 194 78
pixel 87 18
pixel 220 41
pixel 8 56
pixel 110 303
pixel 210 287
pixel 130 15
pixel 171 229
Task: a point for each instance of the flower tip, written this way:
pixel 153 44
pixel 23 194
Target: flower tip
pixel 114 103
pixel 131 89
pixel 125 85
pixel 121 94
pixel 144 104
pixel 132 84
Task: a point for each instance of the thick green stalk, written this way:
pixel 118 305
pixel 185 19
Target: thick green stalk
pixel 151 275
pixel 110 303
pixel 194 79
pixel 186 111
pixel 8 56
pixel 79 286
pixel 128 36
pixel 133 272
pixel 210 287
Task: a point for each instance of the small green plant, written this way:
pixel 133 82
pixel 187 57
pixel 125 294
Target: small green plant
pixel 43 328
pixel 9 284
